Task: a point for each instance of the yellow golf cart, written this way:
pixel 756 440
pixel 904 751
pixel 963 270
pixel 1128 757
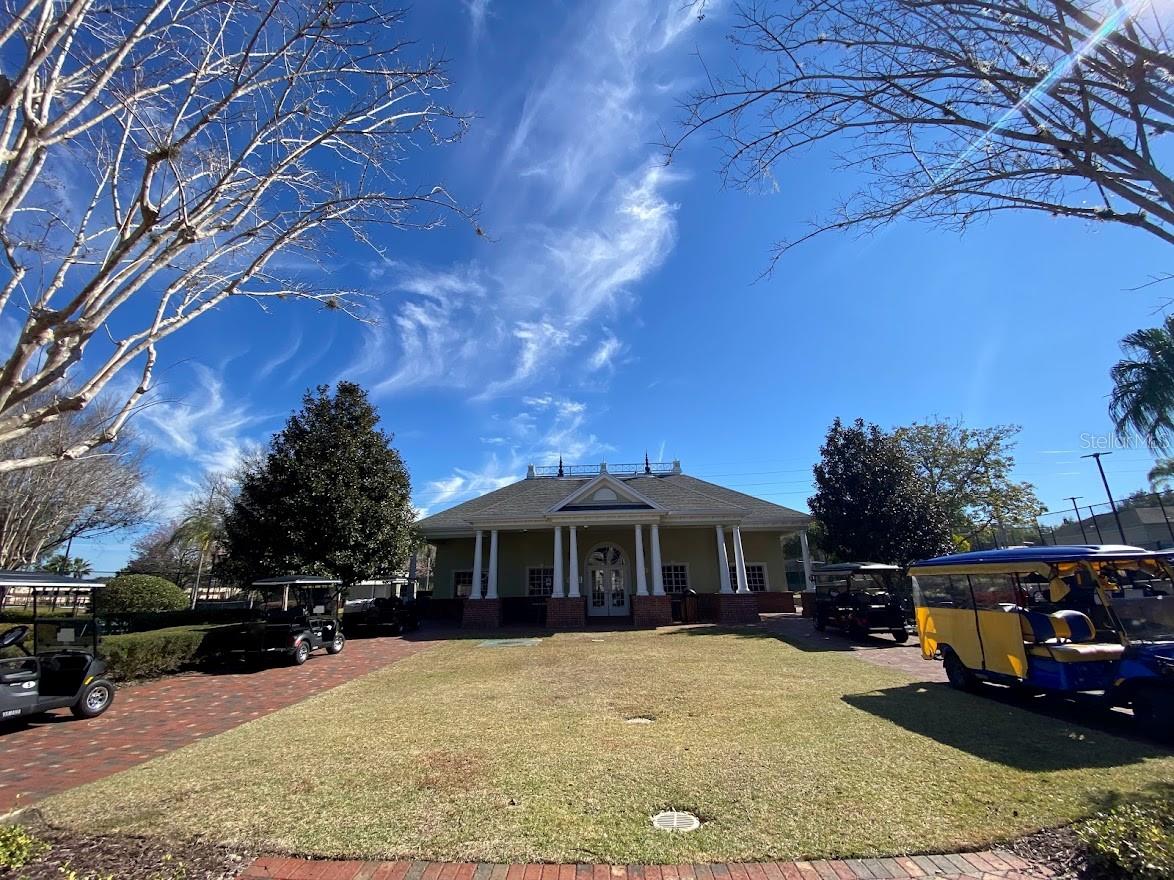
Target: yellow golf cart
pixel 1090 620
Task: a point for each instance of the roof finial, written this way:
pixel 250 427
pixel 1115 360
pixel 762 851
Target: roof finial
pixel 647 466
pixel 560 466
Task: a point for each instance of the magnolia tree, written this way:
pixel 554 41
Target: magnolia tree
pixel 955 110
pixel 158 157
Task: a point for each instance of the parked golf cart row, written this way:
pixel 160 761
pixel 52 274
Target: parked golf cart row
pixel 53 661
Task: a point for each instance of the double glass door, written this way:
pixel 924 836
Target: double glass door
pixel 607 583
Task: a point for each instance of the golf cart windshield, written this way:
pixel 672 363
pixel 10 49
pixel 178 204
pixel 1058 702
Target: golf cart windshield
pixel 864 582
pixel 66 634
pixel 1143 598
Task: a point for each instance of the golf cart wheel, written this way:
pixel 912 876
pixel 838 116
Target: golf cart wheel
pixel 1154 710
pixel 821 623
pixel 301 653
pixel 337 645
pixel 900 636
pixel 960 677
pixel 95 699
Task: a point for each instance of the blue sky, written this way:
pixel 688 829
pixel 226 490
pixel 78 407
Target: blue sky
pixel 615 305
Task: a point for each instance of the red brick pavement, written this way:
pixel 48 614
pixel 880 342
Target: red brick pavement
pixel 989 865
pixel 150 719
pixel 879 650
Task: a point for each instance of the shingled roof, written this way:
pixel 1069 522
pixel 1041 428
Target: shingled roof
pixel 675 494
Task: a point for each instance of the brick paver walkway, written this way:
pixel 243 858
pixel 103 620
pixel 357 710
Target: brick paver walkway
pixel 988 865
pixel 880 650
pixel 150 719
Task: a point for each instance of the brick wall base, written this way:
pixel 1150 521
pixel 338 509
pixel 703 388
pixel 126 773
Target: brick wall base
pixel 775 603
pixel 566 613
pixel 481 614
pixel 737 608
pixel 652 610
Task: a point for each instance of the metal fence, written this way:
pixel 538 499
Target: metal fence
pixel 1145 521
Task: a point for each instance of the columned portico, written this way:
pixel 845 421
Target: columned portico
pixel 483 612
pixel 736 604
pixel 655 609
pixel 617 543
pixel 565 611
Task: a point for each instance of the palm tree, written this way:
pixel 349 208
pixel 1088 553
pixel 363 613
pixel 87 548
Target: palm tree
pixel 203 529
pixel 1143 385
pixel 1161 473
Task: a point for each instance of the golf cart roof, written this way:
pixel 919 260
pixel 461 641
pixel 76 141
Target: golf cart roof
pixel 851 567
pixel 1042 554
pixel 296 580
pixel 45 580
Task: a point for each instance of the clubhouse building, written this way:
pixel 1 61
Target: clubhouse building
pixel 644 544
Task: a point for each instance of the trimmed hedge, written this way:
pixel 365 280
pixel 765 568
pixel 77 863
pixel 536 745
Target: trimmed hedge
pixel 147 654
pixel 137 593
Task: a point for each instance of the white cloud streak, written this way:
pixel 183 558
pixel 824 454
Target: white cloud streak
pixel 597 221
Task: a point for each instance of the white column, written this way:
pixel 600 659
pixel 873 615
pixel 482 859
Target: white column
pixel 413 564
pixel 574 594
pixel 492 593
pixel 641 578
pixel 740 561
pixel 557 592
pixel 808 584
pixel 657 574
pixel 723 561
pixel 475 589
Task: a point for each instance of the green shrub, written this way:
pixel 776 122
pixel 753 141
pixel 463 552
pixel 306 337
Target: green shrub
pixel 1131 841
pixel 18 847
pixel 134 593
pixel 142 655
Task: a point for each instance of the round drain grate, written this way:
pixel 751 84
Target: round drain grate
pixel 676 820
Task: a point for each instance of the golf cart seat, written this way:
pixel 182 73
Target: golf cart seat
pixel 1065 636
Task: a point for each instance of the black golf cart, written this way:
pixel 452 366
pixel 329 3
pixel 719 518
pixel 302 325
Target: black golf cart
pixel 52 662
pixel 299 616
pixel 388 614
pixel 859 598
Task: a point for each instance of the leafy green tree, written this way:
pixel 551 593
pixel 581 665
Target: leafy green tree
pixel 1142 402
pixel 968 473
pixel 871 501
pixel 331 497
pixel 139 593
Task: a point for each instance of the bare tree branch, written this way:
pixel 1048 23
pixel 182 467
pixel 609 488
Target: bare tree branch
pixel 953 110
pixel 158 157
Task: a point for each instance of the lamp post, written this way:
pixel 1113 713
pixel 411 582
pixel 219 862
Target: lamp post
pixel 1112 503
pixel 1079 521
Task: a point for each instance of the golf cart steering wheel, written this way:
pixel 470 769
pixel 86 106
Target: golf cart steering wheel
pixel 14 636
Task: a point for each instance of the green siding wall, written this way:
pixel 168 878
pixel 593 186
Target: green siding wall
pixel 694 547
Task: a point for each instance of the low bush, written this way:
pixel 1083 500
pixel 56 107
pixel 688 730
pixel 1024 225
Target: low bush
pixel 137 593
pixel 1132 841
pixel 147 654
pixel 18 847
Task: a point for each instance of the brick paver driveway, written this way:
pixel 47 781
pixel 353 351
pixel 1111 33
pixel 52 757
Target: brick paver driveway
pixel 149 719
pixel 986 865
pixel 879 650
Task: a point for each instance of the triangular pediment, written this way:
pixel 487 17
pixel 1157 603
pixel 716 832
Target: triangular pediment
pixel 604 492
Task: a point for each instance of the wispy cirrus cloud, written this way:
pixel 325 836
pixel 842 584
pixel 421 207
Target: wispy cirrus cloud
pixel 544 429
pixel 582 212
pixel 478 11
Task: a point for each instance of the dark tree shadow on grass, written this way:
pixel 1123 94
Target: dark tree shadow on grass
pixel 994 726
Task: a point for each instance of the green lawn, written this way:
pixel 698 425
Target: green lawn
pixel 523 754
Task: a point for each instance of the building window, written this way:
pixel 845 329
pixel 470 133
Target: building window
pixel 462 580
pixel 540 581
pixel 755 577
pixel 675 577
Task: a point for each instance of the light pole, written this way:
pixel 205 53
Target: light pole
pixel 1079 521
pixel 1112 503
